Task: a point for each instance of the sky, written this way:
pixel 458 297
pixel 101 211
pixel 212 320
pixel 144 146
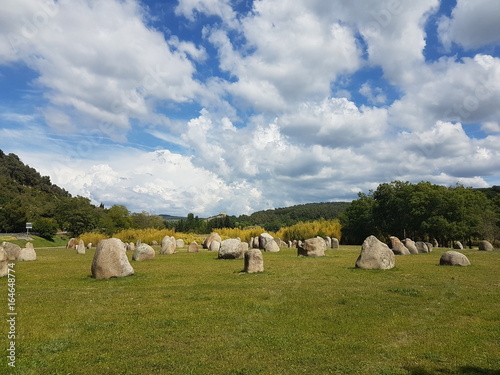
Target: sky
pixel 204 106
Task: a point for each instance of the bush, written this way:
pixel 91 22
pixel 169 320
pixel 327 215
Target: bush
pixel 46 228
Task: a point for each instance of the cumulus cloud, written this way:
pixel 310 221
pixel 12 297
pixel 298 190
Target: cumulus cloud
pixel 472 24
pixel 100 60
pixel 264 108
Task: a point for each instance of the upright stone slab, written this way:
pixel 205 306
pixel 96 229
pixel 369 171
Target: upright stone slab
pixel 454 258
pixel 168 245
pixel 254 261
pixel 27 253
pixel 71 244
pixel 110 260
pixel 214 246
pixel 375 255
pixel 4 262
pixel 312 247
pixel 179 243
pixel 335 243
pixel 398 248
pixel 485 246
pixel 457 245
pixel 421 247
pixel 89 245
pixel 214 236
pixel 143 252
pixel 12 250
pixel 410 245
pixel 264 239
pixel 193 247
pixel 80 248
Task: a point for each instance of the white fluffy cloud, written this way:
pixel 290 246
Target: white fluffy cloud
pixel 259 109
pixel 472 24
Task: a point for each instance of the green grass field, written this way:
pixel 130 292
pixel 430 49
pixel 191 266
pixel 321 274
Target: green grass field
pixel 190 313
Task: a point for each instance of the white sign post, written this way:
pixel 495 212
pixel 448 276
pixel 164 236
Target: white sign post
pixel 28 227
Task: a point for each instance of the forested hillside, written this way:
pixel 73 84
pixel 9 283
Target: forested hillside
pixel 424 211
pixel 275 219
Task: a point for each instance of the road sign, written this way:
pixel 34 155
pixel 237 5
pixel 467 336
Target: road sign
pixel 29 226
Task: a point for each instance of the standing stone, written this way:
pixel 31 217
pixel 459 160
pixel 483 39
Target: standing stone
pixel 214 236
pixel 421 247
pixel 435 243
pixel 264 238
pixel 214 246
pixel 138 243
pixel 410 245
pixel 328 241
pixel 457 245
pixel 272 247
pixel 168 245
pixel 335 243
pixel 179 243
pixel 12 250
pixel 89 245
pixel 485 246
pixel 398 248
pixel 131 246
pixel 110 260
pixel 429 246
pixel 454 258
pixel 28 253
pixel 193 247
pixel 254 262
pixel 230 249
pixel 143 252
pixel 375 255
pixel 154 243
pixel 4 262
pixel 71 244
pixel 80 248
pixel 312 247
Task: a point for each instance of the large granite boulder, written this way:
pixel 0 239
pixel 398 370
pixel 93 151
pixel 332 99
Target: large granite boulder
pixel 12 250
pixel 4 262
pixel 272 247
pixel 193 247
pixel 254 262
pixel 421 247
pixel 264 239
pixel 454 258
pixel 214 236
pixel 110 260
pixel 179 243
pixel 80 248
pixel 485 246
pixel 71 243
pixel 429 246
pixel 231 249
pixel 410 245
pixel 375 255
pixel 312 247
pixel 398 248
pixel 214 246
pixel 143 252
pixel 168 245
pixel 27 253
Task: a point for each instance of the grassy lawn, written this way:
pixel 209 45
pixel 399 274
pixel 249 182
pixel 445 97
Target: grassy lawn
pixel 190 313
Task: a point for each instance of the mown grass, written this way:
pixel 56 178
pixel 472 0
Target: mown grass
pixel 190 313
pixel 57 241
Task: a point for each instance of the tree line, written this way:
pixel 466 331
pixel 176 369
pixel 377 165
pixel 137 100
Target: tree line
pixel 424 211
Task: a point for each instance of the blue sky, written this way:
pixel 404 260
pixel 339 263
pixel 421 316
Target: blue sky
pixel 216 105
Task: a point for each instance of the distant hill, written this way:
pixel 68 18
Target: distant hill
pixel 286 216
pixel 172 218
